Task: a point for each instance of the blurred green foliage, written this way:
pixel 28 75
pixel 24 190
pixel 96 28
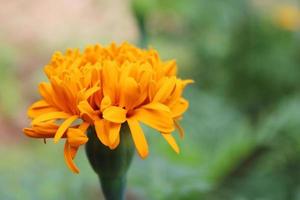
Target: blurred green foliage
pixel 242 129
pixel 9 85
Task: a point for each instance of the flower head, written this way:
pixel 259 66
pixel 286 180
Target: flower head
pixel 105 87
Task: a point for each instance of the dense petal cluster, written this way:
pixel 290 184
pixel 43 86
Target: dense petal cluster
pixel 105 87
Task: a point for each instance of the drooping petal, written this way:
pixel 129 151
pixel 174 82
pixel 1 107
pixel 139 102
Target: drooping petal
pixel 155 116
pixel 115 114
pixel 138 137
pixel 170 139
pixel 68 158
pixel 63 127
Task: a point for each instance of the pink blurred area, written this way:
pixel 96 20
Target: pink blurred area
pixel 35 29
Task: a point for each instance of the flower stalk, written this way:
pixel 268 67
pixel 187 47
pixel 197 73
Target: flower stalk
pixel 111 166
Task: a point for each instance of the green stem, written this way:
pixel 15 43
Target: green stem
pixel 113 189
pixel 111 165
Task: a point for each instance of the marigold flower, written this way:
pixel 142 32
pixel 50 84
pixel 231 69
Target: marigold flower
pixel 105 87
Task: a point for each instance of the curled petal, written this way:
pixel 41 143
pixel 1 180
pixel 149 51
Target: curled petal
pixel 63 127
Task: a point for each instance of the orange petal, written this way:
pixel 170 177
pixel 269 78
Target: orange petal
pixel 138 137
pixel 129 93
pixel 84 126
pixel 39 108
pixel 76 137
pixel 155 116
pixel 90 92
pixel 102 131
pixel 50 116
pixel 105 103
pixel 115 114
pixel 179 107
pixel 170 139
pixel 63 127
pixel 68 158
pixel 114 134
pixel 86 109
pixel 165 90
pixel 180 129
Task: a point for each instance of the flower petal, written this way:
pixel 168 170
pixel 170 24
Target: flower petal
pixel 165 90
pixel 180 129
pixel 86 109
pixel 155 115
pixel 138 137
pixel 105 103
pixel 63 127
pixel 76 137
pixel 68 158
pixel 102 131
pixel 179 107
pixel 114 135
pixel 50 116
pixel 170 139
pixel 115 114
pixel 39 108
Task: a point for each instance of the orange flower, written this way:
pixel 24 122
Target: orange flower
pixel 105 87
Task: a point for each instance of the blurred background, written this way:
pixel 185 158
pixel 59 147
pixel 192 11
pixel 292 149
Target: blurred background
pixel 243 126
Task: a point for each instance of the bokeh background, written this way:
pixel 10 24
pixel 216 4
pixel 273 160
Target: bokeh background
pixel 243 126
